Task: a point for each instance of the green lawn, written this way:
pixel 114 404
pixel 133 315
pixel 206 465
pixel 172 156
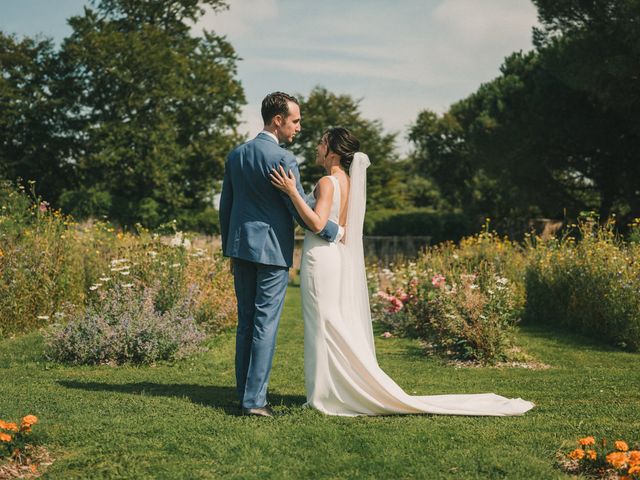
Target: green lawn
pixel 181 421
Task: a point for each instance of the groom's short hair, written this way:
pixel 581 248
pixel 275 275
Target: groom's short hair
pixel 276 103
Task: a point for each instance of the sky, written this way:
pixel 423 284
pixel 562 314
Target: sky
pixel 397 57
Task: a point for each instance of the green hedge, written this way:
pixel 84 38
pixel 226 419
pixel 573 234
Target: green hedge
pixel 440 226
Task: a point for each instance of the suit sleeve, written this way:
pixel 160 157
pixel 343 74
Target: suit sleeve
pixel 226 200
pixel 330 230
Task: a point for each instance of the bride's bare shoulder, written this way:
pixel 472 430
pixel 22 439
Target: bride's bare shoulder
pixel 325 182
pixel 324 186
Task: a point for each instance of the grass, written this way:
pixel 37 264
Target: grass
pixel 180 420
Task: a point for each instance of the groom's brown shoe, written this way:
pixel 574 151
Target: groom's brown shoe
pixel 258 412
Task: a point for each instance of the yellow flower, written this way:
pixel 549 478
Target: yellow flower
pixel 621 445
pixel 5 437
pixel 591 454
pixel 577 454
pixel 587 441
pixel 617 459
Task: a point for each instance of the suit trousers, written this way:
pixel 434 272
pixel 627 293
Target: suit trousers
pixel 260 291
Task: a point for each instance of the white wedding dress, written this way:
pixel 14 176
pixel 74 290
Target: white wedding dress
pixel 342 376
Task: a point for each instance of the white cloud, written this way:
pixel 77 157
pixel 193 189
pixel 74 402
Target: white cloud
pixel 479 24
pixel 239 19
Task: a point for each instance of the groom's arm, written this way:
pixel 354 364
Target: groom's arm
pixel 331 231
pixel 226 200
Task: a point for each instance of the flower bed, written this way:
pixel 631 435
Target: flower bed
pixel 596 460
pixel 457 299
pixel 19 457
pixel 54 271
pixel 590 286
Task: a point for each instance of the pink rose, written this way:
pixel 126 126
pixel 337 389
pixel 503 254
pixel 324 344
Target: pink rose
pixel 438 281
pixel 402 296
pixel 396 305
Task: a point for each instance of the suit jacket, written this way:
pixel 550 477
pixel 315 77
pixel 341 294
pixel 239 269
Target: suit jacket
pixel 256 219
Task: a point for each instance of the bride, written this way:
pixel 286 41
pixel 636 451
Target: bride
pixel 342 375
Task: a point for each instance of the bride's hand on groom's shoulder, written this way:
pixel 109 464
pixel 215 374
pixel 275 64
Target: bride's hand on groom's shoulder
pixel 283 181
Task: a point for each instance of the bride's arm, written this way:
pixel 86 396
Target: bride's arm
pixel 315 218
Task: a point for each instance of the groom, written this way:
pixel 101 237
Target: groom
pixel 256 223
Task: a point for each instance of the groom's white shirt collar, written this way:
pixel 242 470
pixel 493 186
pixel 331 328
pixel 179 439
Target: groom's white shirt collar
pixel 271 135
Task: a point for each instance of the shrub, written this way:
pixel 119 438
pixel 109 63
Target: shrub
pixel 205 221
pixel 40 262
pixel 594 459
pixel 51 267
pixel 125 326
pixel 591 286
pixel 463 301
pixel 420 222
pixel 634 231
pixel 472 318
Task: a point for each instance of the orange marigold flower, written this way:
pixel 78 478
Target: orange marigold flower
pixel 577 454
pixel 634 457
pixel 30 420
pixel 591 454
pixel 621 445
pixel 5 437
pixel 634 469
pixel 9 426
pixel 617 459
pixel 587 441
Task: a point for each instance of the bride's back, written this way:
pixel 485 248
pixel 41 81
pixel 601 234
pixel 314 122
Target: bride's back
pixel 344 184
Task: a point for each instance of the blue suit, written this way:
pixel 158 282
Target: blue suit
pixel 256 223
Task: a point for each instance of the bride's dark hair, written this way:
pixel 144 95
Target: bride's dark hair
pixel 344 143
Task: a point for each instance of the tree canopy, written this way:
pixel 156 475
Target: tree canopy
pixel 32 142
pixel 557 132
pixel 146 112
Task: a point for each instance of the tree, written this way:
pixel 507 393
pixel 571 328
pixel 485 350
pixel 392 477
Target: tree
pixel 441 153
pixel 152 110
pixel 32 143
pixel 518 126
pixel 446 158
pixel 594 48
pixel 558 131
pixel 323 109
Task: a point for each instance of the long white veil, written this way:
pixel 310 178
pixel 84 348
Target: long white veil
pixel 355 299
